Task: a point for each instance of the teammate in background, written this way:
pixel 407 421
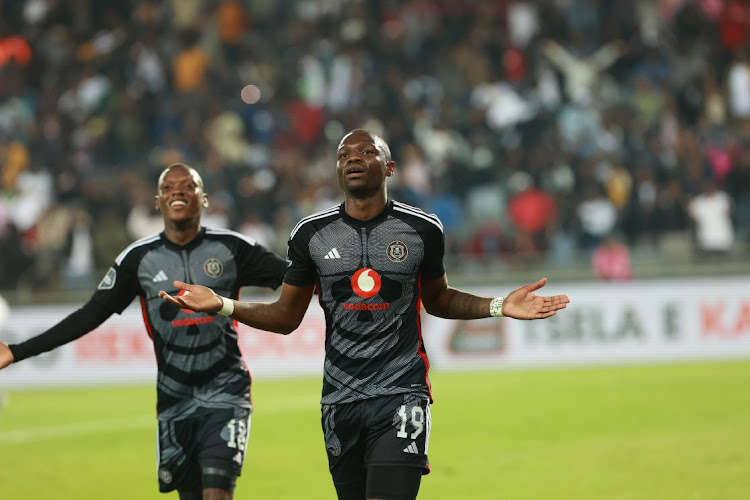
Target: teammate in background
pixel 373 262
pixel 203 386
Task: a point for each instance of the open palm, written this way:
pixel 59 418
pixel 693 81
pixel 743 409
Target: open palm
pixel 522 303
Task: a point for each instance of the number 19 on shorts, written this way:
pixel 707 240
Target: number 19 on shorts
pixel 414 420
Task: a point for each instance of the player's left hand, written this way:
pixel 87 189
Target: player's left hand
pixel 196 298
pixel 523 304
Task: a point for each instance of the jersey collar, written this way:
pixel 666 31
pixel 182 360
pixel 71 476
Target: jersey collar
pixel 366 223
pixel 187 246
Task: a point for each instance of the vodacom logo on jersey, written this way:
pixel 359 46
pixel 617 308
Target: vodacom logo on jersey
pixel 366 283
pixel 191 321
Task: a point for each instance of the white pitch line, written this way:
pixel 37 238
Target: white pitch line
pixel 76 429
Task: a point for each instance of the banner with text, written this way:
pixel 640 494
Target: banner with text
pixel 604 323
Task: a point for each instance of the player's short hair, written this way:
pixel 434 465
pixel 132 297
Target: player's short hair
pixel 187 167
pixel 377 139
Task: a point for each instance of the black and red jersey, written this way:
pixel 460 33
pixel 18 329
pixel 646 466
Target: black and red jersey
pixel 368 276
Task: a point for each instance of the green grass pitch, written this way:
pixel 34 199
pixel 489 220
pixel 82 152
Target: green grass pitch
pixel 672 431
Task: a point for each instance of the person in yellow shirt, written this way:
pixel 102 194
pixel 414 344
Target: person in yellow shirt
pixel 190 65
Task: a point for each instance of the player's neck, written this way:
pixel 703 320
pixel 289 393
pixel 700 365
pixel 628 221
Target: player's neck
pixel 182 234
pixel 365 208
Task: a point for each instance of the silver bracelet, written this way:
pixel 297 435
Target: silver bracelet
pixel 227 307
pixel 496 307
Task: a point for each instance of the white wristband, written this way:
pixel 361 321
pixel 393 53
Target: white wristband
pixel 227 307
pixel 496 307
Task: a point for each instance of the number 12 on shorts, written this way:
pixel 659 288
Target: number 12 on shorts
pixel 238 432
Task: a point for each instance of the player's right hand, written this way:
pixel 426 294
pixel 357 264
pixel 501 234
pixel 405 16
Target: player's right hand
pixel 195 297
pixel 6 356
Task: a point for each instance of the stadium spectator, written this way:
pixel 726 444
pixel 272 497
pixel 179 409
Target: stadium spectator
pixel 190 66
pixel 50 243
pixel 711 212
pixel 533 212
pixel 734 24
pixel 610 261
pixel 737 186
pixel 373 262
pixel 581 68
pixel 79 263
pixel 14 49
pixel 203 386
pixel 597 216
pixel 669 213
pixel 232 22
pixel 738 83
pixel 17 260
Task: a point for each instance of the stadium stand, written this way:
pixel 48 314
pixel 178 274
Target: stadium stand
pixel 536 130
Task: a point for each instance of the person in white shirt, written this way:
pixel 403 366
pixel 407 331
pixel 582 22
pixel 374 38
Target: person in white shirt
pixel 711 212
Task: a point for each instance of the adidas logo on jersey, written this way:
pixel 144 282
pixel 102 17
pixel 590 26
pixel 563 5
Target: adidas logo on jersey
pixel 333 254
pixel 412 448
pixel 160 276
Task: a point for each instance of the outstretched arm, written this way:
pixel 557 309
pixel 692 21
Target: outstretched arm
pixel 282 316
pixel 75 325
pixel 445 302
pixel 559 56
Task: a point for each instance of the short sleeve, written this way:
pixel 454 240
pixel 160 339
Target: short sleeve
pixel 302 270
pixel 432 265
pixel 258 266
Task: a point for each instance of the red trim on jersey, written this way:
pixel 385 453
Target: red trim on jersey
pixel 145 319
pixel 236 324
pixel 150 335
pixel 316 291
pixel 422 352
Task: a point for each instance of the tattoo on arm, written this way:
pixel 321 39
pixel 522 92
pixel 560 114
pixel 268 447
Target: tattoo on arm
pixel 456 304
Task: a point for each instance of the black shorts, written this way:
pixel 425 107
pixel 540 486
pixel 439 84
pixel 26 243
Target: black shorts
pixel 209 442
pixel 383 431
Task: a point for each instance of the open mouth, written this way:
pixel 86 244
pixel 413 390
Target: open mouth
pixel 177 204
pixel 354 171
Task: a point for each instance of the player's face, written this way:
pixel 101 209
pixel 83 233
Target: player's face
pixel 181 197
pixel 362 165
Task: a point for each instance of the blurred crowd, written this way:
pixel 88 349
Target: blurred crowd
pixel 549 131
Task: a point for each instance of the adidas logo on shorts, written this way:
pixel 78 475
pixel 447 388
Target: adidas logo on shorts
pixel 412 448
